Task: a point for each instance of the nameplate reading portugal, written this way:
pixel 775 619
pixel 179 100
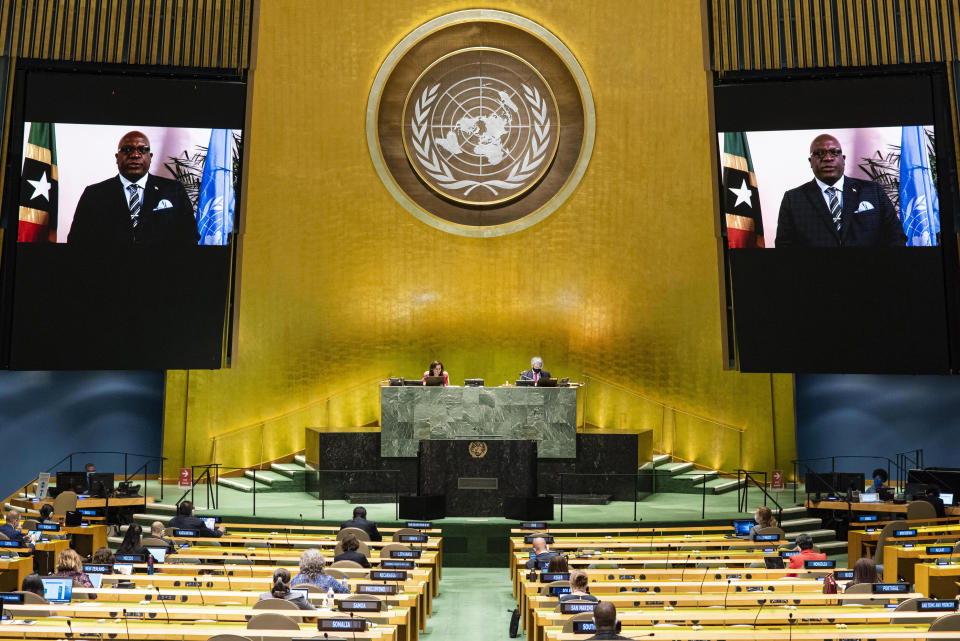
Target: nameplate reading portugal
pixel 890 588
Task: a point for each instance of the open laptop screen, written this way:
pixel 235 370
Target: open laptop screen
pixel 57 590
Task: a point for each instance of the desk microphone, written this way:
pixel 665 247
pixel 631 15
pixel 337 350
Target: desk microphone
pixel 126 624
pixel 302 526
pixel 790 623
pixel 667 562
pixel 703 580
pixel 684 568
pixel 69 625
pixel 726 593
pixel 203 601
pixel 163 603
pixel 249 562
pixel 226 573
pixel 759 610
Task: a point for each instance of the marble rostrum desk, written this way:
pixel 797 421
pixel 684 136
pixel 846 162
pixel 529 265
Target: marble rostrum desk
pixel 547 415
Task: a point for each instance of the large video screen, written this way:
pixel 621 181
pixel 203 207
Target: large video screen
pixel 120 213
pixel 846 187
pixel 833 216
pixel 127 184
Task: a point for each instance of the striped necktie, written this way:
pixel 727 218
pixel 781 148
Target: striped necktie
pixel 834 206
pixel 134 190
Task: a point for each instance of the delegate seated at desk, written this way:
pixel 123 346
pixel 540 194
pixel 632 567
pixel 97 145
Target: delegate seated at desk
pixel 360 522
pixel 185 520
pixel 436 369
pixel 281 590
pixel 350 544
pixel 578 588
pixel 805 543
pixel 11 529
pixel 933 498
pixel 605 618
pixel 541 554
pixel 536 371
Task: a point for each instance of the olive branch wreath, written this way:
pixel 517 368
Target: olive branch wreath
pixel 437 169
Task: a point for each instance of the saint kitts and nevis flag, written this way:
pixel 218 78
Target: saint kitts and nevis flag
pixel 741 203
pixel 38 186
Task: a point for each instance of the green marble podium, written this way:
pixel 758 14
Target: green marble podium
pixel 547 415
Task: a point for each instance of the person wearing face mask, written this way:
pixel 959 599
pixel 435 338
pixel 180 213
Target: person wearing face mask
pixel 536 371
pixel 879 478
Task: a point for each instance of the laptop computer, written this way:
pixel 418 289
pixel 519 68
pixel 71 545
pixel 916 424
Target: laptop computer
pixel 947 498
pixel 95 579
pixel 57 590
pixel 741 527
pixel 433 381
pixel 158 554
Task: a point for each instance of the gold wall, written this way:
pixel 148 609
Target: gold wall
pixel 339 285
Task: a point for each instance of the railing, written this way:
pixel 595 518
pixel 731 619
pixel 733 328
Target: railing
pixel 676 432
pixel 636 484
pixel 262 441
pixel 354 483
pixel 896 470
pixel 744 485
pixel 211 474
pixel 127 475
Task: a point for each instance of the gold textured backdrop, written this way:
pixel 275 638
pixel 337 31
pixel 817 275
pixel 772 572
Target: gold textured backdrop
pixel 340 286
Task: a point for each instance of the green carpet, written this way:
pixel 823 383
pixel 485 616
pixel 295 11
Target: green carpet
pixel 474 605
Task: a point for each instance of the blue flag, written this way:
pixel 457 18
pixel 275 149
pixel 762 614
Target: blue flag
pixel 919 207
pixel 215 204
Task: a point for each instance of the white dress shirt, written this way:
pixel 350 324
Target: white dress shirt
pixel 826 197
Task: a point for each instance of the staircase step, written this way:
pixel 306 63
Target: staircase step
pixel 661 459
pixel 722 485
pixel 672 469
pixel 240 484
pixel 265 477
pixel 832 547
pixel 800 525
pixel 794 512
pixel 301 459
pixel 816 535
pixel 163 507
pixel 289 470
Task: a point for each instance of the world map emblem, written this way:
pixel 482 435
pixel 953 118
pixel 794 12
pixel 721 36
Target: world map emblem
pixel 481 126
pixel 480 123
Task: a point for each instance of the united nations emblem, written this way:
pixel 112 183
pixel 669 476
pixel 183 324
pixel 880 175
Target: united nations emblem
pixel 477 449
pixel 484 138
pixel 480 126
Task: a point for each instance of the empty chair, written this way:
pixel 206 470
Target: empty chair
pixel 357 532
pixel 919 510
pixel 65 502
pixel 271 621
pixel 352 565
pixel 859 588
pixel 885 534
pixel 545 588
pixel 29 524
pixel 393 547
pixel 404 531
pixel 582 616
pixel 338 574
pixel 275 604
pixel 946 623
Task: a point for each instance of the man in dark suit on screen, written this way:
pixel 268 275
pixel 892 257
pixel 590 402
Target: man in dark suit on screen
pixel 134 207
pixel 834 210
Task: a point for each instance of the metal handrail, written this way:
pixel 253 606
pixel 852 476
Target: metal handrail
pixel 393 473
pixel 833 467
pixel 636 486
pixel 150 458
pixel 748 478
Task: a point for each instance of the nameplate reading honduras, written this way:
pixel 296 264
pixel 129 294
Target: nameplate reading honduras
pixel 819 563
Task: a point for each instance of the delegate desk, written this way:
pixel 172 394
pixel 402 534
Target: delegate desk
pixel 937 581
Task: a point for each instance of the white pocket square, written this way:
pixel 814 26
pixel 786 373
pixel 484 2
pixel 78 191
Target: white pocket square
pixel 865 205
pixel 166 204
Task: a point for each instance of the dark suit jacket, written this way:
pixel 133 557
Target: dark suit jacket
pixel 367 526
pixel 543 557
pixel 192 523
pixel 352 555
pixel 103 215
pixel 528 375
pixel 11 533
pixel 937 504
pixel 805 220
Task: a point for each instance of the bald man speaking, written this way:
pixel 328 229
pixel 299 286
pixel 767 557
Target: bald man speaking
pixel 134 207
pixel 834 210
